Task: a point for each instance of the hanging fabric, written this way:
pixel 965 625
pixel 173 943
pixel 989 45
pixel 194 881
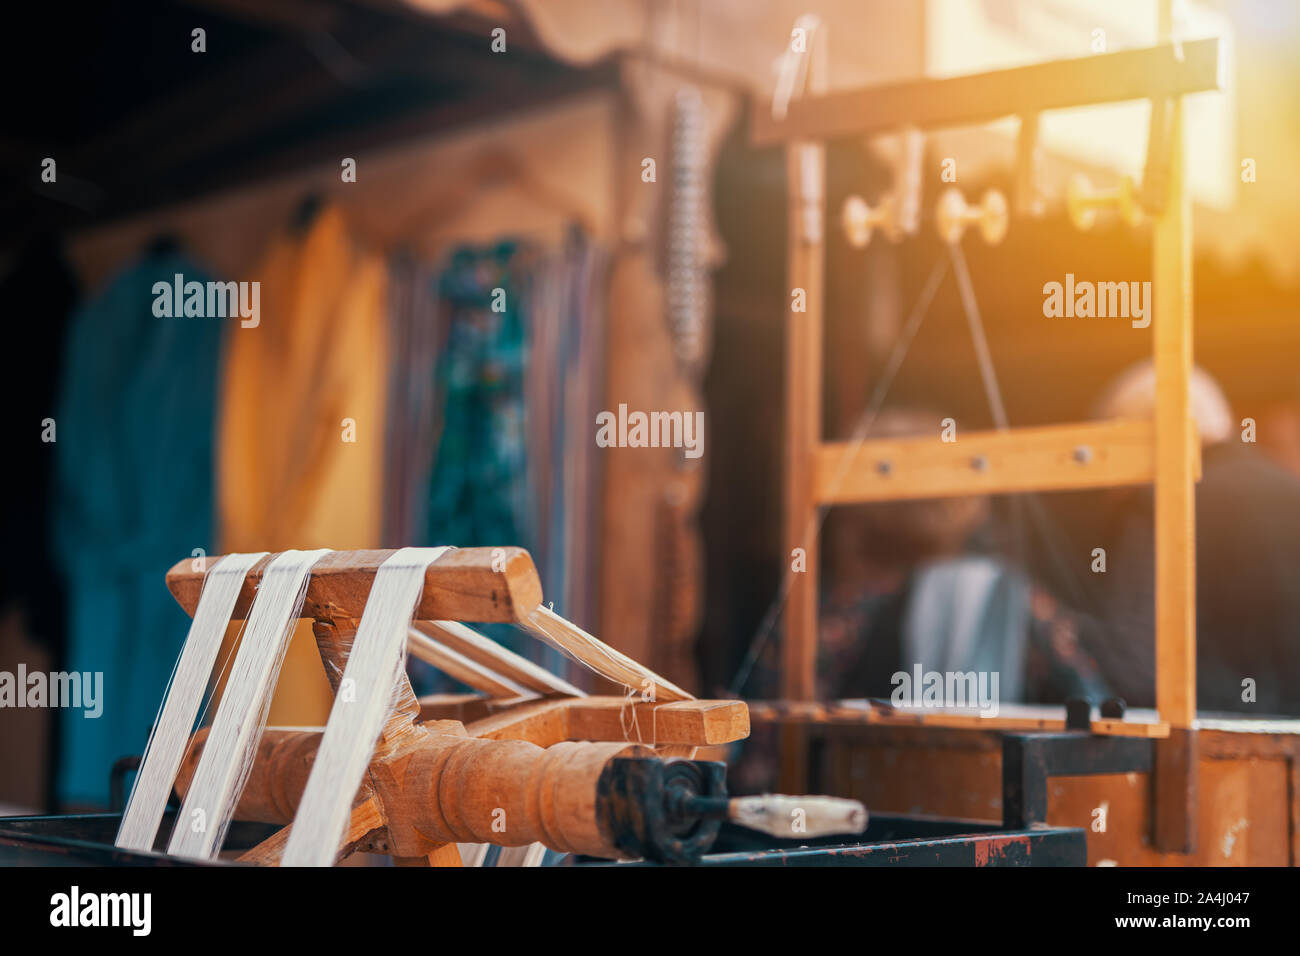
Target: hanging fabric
pixel 412 429
pixel 133 493
pixel 479 492
pixel 302 420
pixel 491 359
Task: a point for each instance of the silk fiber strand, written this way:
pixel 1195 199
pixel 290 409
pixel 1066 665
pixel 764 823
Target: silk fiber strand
pixel 241 716
pixel 181 700
pixel 357 718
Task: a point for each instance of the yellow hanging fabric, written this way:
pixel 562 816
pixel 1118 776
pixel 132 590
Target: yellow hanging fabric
pixel 302 422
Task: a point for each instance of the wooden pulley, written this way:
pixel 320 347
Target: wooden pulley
pixel 952 215
pixel 1082 201
pixel 859 219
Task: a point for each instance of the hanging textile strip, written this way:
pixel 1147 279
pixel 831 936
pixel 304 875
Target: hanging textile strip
pixel 184 694
pixel 227 757
pixel 573 641
pixel 374 667
pixel 132 489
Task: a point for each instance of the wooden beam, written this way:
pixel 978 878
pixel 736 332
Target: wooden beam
pixel 1177 447
pixel 984 97
pixel 469 672
pixel 1046 458
pixel 544 723
pixel 367 818
pixel 695 723
pixel 463 585
pixel 465 708
pixel 1010 717
pixel 805 175
pixel 483 650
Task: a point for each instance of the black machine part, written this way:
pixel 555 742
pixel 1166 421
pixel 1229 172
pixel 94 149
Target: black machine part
pixel 646 806
pixel 670 811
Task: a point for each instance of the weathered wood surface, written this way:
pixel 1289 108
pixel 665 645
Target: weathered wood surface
pixel 463 585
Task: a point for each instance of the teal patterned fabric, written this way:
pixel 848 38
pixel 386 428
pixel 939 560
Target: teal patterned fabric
pixel 479 490
pixel 133 494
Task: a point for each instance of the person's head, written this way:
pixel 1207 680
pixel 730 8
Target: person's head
pixel 1132 394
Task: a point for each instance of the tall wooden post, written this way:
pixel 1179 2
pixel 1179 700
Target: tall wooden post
pixel 1175 495
pixel 806 231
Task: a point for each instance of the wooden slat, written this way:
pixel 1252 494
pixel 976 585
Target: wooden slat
pixel 1020 459
pixel 694 722
pixel 487 652
pixel 366 818
pixel 544 723
pixel 606 661
pixel 1177 448
pixel 805 165
pixel 687 722
pixel 1177 454
pixel 984 97
pixel 457 665
pixel 1010 717
pixel 463 585
pixel 463 707
pixel 805 172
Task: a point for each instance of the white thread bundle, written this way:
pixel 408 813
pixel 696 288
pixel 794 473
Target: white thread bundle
pixel 374 665
pixel 574 642
pixel 227 757
pixel 181 700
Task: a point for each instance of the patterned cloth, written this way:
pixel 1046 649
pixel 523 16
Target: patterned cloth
pixel 479 491
pixel 133 494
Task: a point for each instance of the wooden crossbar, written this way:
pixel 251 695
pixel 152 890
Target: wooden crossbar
pixel 1049 458
pixel 467 584
pixel 983 97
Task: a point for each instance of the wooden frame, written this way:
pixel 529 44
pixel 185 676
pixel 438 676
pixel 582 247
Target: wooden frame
pixel 1164 451
pixel 984 97
pixel 551 750
pixel 1051 458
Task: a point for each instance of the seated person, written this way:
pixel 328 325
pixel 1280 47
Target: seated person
pixel 1247 566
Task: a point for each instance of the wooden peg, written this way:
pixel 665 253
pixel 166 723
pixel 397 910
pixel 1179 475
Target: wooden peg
pixel 953 215
pixel 1082 201
pixel 784 816
pixel 859 219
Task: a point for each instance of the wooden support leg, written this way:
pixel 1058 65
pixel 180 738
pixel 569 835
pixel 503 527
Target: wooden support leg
pixel 366 817
pixel 1175 783
pixel 446 855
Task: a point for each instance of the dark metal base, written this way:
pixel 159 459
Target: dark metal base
pixel 86 839
pixel 902 841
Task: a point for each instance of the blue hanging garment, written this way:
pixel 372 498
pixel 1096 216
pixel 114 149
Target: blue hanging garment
pixel 133 494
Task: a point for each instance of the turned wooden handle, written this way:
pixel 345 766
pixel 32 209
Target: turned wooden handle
pixel 793 817
pixel 443 787
pixel 467 584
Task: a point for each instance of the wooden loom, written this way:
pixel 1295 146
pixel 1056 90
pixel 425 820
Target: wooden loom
pixel 602 776
pixel 846 748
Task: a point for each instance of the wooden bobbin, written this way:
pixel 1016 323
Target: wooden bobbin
pixel 858 220
pixel 952 215
pixel 1082 201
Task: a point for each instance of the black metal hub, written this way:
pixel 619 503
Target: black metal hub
pixel 666 811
